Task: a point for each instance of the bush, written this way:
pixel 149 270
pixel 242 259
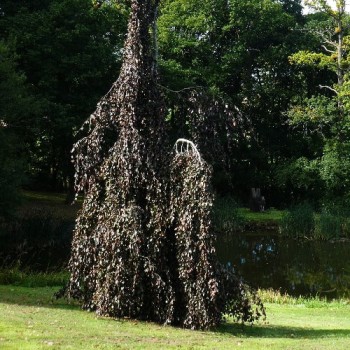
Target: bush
pixel 333 222
pixel 328 225
pixel 298 222
pixel 226 216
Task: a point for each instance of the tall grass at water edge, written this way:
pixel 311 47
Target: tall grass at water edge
pixel 298 222
pixel 332 223
pixel 302 222
pixel 227 216
pixel 15 277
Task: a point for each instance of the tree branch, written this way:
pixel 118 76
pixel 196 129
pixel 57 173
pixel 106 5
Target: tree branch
pixel 184 89
pixel 329 88
pixel 327 50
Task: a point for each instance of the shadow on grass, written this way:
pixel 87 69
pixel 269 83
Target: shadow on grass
pixel 272 331
pixel 44 298
pixel 38 297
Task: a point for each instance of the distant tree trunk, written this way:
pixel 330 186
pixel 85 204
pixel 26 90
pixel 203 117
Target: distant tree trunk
pixel 70 196
pixel 256 201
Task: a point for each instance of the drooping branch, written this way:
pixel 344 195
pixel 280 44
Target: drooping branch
pixel 118 266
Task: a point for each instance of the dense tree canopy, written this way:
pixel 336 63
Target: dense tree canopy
pixel 238 51
pixel 259 86
pixel 326 111
pixel 18 125
pixel 68 51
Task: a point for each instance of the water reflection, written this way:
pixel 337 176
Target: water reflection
pixel 296 267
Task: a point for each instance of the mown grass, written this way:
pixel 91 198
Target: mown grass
pixel 58 199
pixel 228 217
pixel 32 319
pixel 49 197
pixel 269 215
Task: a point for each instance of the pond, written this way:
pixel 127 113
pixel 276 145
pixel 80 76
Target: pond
pixel 263 260
pixel 296 267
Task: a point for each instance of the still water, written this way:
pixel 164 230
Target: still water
pixel 296 267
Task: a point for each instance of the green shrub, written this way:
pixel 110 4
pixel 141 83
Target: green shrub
pixel 328 225
pixel 333 222
pixel 298 222
pixel 226 216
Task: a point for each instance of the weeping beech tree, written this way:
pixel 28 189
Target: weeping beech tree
pixel 142 245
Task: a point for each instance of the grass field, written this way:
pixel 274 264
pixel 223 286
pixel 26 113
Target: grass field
pixel 31 319
pixel 270 215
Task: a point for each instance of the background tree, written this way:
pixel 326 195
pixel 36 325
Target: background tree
pixel 226 76
pixel 18 113
pixel 69 51
pixel 238 52
pixel 325 112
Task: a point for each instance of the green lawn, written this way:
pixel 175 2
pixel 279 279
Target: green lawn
pixel 30 319
pixel 270 215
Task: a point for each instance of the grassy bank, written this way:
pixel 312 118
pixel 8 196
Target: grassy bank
pixel 270 215
pixel 229 217
pixel 31 319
